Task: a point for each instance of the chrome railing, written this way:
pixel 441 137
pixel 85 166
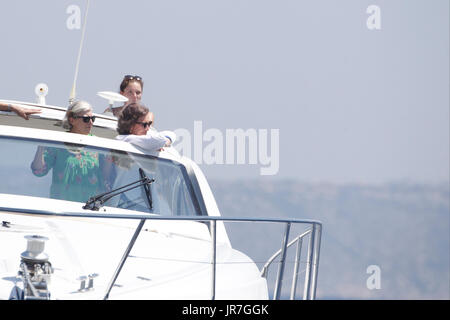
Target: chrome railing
pixel 312 263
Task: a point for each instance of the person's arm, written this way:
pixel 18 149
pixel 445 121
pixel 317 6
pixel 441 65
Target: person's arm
pixel 148 142
pixel 43 161
pixel 20 111
pixel 153 141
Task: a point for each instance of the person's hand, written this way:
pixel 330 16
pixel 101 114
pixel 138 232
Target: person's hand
pixel 24 112
pixel 170 137
pixel 168 143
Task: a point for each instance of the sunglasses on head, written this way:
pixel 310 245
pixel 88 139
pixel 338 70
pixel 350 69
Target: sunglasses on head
pixel 86 119
pixel 130 77
pixel 145 124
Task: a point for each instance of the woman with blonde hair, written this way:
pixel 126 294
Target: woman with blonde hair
pixel 79 118
pixel 76 171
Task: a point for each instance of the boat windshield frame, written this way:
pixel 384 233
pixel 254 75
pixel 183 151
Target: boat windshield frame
pixel 47 138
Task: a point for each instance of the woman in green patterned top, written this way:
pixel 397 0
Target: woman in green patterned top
pixel 76 172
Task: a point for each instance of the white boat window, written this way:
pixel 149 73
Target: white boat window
pixel 76 173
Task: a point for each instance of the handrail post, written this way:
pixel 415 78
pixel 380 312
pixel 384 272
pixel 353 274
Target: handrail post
pixel 279 282
pixel 213 262
pixel 124 258
pixel 316 261
pixel 308 274
pixel 296 266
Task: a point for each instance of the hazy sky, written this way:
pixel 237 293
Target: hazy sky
pixel 356 95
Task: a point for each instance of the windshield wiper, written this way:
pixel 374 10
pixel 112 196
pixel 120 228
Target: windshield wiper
pixel 147 190
pixel 96 202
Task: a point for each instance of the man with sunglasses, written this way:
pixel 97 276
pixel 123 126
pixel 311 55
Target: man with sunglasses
pixel 130 87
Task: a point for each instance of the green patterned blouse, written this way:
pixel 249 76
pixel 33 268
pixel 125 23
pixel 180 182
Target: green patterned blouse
pixel 76 173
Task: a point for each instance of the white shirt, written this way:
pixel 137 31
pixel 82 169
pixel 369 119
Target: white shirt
pixel 152 141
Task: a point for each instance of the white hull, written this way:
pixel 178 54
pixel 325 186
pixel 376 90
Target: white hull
pixel 170 259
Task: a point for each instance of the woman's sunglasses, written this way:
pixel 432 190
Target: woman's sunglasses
pixel 130 77
pixel 145 124
pixel 86 119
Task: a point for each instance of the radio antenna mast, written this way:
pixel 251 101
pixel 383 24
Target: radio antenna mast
pixel 72 92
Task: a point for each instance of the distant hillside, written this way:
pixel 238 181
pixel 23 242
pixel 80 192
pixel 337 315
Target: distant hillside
pixel 403 228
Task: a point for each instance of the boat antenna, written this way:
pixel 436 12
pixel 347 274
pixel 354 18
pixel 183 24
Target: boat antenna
pixel 72 92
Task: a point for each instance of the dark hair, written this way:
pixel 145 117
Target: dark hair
pixel 129 116
pixel 127 79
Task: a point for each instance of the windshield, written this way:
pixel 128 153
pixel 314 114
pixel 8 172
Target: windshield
pixel 76 173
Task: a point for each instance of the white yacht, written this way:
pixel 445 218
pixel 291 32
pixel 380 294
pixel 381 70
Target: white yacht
pixel 154 233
